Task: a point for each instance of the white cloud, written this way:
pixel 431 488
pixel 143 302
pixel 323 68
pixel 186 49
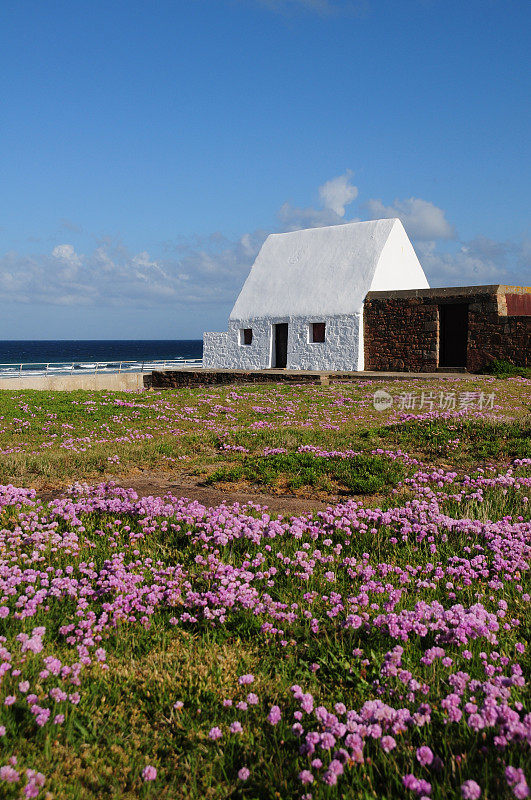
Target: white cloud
pixel 421 219
pixel 66 253
pixel 199 271
pixel 338 193
pixel 207 272
pixel 478 261
pixel 146 266
pixel 104 261
pixel 335 194
pixel 293 218
pixel 69 259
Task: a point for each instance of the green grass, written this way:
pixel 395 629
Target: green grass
pixel 50 439
pixel 126 718
pixel 506 369
pixel 469 440
pixel 434 439
pixel 360 474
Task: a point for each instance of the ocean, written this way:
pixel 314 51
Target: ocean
pixel 63 355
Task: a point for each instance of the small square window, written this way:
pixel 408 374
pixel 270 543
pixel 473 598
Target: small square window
pixel 317 330
pixel 246 336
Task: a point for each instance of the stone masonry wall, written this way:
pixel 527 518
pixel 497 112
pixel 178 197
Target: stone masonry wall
pixel 173 379
pixel 492 338
pixel 494 335
pixel 400 335
pixel 402 329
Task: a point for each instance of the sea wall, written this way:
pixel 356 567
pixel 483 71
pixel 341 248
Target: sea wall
pixel 117 381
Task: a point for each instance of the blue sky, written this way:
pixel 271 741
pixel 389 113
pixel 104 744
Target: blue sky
pixel 149 147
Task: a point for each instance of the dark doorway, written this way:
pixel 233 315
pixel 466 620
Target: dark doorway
pixel 453 334
pixel 281 345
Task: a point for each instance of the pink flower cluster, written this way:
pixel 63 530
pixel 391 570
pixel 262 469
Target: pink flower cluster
pixel 429 600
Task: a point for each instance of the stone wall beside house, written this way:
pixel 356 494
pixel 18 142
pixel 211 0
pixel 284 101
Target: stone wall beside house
pixel 403 329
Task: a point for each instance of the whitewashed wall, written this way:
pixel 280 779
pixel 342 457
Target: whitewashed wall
pixel 315 275
pixel 224 351
pixel 341 350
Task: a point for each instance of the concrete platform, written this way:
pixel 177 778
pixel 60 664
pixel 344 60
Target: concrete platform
pixel 114 381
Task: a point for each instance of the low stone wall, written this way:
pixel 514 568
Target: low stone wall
pixel 188 377
pixel 176 378
pixel 401 329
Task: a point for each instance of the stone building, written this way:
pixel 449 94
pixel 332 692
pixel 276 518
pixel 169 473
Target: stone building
pixel 462 328
pixel 301 306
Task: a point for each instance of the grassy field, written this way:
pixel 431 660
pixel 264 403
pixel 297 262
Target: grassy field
pixel 49 440
pixel 156 648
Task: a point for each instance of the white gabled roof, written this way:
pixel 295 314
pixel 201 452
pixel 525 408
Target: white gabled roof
pixel 328 271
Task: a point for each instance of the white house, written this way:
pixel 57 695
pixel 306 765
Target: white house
pixel 301 306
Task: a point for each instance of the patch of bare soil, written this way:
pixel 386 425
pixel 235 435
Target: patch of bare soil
pixel 157 484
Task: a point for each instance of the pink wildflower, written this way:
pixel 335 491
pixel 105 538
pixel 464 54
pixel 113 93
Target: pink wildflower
pixel 470 790
pixel 149 773
pixel 275 715
pixel 424 756
pixel 9 774
pixel 387 743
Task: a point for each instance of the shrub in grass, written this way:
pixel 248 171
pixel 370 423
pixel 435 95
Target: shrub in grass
pixel 502 368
